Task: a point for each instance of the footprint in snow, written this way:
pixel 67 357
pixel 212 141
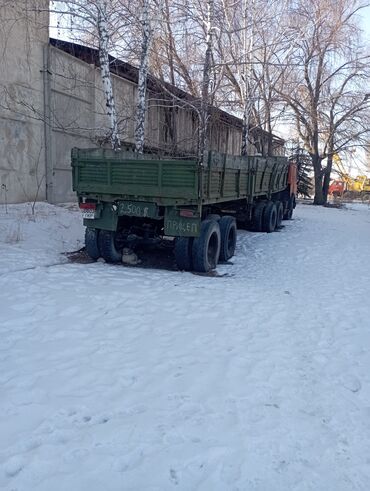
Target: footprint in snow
pixel 14 466
pixel 172 439
pixel 128 381
pixel 95 420
pixel 136 409
pixel 30 444
pixel 75 454
pixel 351 383
pixel 130 461
pixel 230 472
pixel 173 476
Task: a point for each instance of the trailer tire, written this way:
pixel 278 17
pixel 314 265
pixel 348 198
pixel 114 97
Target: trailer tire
pixel 183 253
pixel 206 247
pixel 107 246
pixel 257 216
pixel 280 213
pixel 92 242
pixel 228 237
pixel 269 217
pixel 288 213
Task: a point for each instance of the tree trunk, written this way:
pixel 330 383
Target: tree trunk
pixel 142 83
pixel 204 107
pixel 316 163
pixel 248 40
pixel 170 52
pixel 326 182
pixel 246 120
pixel 269 133
pixel 105 73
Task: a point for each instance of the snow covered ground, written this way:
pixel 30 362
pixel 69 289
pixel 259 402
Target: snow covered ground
pixel 28 240
pixel 115 378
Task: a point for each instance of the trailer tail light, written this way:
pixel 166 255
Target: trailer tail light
pixel 186 213
pixel 88 210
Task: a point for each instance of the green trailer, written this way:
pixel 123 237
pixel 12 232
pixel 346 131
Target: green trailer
pixel 129 199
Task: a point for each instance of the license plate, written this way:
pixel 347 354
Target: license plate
pixel 138 209
pixel 88 214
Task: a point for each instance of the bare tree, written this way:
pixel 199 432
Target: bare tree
pixel 207 67
pixel 179 44
pixel 248 44
pixel 146 32
pixel 96 20
pixel 251 43
pixel 325 85
pixel 102 26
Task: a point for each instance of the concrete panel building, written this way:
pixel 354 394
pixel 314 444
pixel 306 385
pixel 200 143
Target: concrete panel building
pixel 52 101
pixel 23 34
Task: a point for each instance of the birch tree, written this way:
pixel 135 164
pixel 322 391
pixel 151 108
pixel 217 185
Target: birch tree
pixel 247 93
pixel 253 37
pixel 146 31
pixel 185 56
pixel 102 26
pixel 207 66
pixel 95 19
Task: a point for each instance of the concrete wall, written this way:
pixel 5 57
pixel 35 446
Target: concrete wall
pixel 77 115
pixel 23 33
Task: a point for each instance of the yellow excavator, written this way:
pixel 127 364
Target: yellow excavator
pixel 347 186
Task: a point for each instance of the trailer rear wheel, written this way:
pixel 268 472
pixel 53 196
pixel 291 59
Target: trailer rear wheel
pixel 206 247
pixel 257 216
pixel 107 246
pixel 183 253
pixel 269 217
pixel 91 242
pixel 228 237
pixel 280 213
pixel 288 214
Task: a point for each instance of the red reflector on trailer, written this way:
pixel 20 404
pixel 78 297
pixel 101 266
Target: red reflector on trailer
pixel 88 206
pixel 186 213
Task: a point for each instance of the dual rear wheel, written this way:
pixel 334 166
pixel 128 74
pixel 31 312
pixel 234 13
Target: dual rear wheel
pixel 268 216
pixel 102 243
pixel 216 242
pixel 91 242
pixel 290 205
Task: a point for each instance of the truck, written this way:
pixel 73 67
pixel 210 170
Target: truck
pixel 346 186
pixel 128 199
pixel 350 188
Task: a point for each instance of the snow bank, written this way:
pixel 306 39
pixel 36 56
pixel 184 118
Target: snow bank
pixel 30 240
